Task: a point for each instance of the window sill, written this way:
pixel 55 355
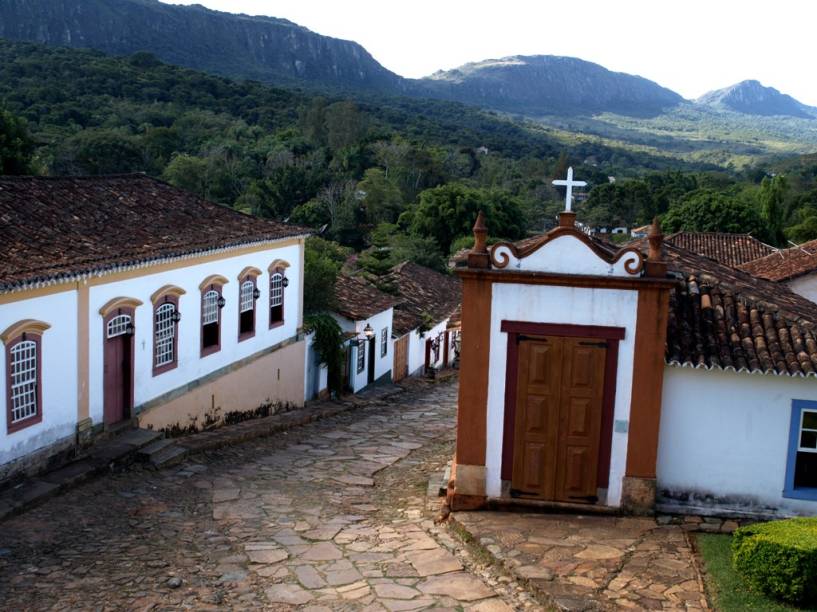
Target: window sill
pixel 809 494
pixel 276 324
pixel 164 368
pixel 246 336
pixel 210 350
pixel 25 423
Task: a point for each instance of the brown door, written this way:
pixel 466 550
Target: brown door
pixel 400 358
pixel 118 391
pixel 558 418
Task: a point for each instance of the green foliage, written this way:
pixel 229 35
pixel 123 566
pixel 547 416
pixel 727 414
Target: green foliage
pixel 707 210
pixel 391 247
pixel 16 146
pixel 779 558
pixel 322 263
pixel 328 345
pixel 727 590
pixel 772 197
pixel 448 212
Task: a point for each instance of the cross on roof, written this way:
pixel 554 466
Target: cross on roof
pixel 570 184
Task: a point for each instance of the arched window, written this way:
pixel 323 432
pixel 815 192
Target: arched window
pixel 165 326
pixel 166 317
pixel 211 304
pixel 23 342
pixel 277 284
pixel 248 293
pixel 119 326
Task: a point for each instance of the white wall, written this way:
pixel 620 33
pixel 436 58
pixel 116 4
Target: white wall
pixel 316 376
pixel 58 369
pixel 382 365
pixel 191 365
pixel 566 305
pixel 805 286
pixel 566 255
pixel 727 434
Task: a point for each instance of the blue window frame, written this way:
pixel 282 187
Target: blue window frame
pixel 801 467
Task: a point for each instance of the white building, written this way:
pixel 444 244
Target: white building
pixel 125 299
pixel 591 375
pixel 425 337
pixel 365 315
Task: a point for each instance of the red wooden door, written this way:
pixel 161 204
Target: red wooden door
pixel 117 385
pixel 560 388
pixel 401 347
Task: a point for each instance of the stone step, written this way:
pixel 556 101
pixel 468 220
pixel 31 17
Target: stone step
pixel 72 474
pixel 149 450
pixel 169 455
pixel 139 438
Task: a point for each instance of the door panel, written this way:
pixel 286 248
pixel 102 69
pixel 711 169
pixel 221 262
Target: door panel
pixel 117 379
pixel 560 386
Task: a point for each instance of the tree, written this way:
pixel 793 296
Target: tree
pixel 16 146
pixel 322 263
pixel 772 206
pixel 706 210
pixel 381 198
pixel 447 212
pixel 188 172
pixel 99 151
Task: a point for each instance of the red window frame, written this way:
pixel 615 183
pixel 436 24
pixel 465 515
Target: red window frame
pixel 254 280
pixel 213 348
pixel 36 338
pixel 165 367
pixel 277 322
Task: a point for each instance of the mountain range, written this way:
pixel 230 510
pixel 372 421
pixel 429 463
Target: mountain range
pixel 564 93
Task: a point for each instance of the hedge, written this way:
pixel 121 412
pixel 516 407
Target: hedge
pixel 779 558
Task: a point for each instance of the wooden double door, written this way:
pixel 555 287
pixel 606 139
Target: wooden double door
pixel 558 418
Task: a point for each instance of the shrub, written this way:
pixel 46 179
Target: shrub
pixel 779 558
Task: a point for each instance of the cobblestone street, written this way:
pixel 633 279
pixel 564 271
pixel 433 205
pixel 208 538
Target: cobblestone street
pixel 289 520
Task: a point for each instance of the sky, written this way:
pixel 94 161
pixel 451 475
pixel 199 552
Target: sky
pixel 690 46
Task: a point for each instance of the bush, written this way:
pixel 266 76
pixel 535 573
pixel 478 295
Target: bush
pixel 779 558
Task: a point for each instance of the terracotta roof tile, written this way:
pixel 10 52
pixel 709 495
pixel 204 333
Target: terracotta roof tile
pixel 721 317
pixel 423 290
pixel 729 249
pixel 58 227
pixel 785 264
pixel 357 299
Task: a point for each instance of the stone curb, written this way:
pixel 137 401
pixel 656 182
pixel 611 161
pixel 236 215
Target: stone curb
pixel 34 491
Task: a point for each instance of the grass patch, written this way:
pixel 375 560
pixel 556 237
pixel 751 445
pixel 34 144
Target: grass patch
pixel 727 589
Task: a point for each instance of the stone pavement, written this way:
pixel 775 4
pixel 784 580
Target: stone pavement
pixel 331 515
pixel 592 562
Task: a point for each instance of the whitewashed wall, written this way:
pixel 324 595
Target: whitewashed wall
pixel 726 435
pixel 191 365
pixel 316 376
pixel 382 365
pixel 59 373
pixel 565 305
pixel 805 286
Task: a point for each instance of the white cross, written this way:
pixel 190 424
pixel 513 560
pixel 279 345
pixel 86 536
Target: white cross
pixel 570 184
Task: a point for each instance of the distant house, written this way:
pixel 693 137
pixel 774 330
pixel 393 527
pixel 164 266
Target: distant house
pixel 795 267
pixel 427 301
pixel 124 299
pixel 604 376
pixel 640 232
pixel 730 249
pixel 365 314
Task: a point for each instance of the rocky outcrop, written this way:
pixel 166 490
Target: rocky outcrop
pixel 752 98
pixel 548 84
pixel 261 48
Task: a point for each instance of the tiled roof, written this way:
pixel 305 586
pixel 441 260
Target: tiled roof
pixel 722 318
pixel 57 228
pixel 358 300
pixel 423 291
pixel 729 249
pixel 785 264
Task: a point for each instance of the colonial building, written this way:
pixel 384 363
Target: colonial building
pixel 795 268
pixel 123 298
pixel 365 314
pixel 425 335
pixel 591 375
